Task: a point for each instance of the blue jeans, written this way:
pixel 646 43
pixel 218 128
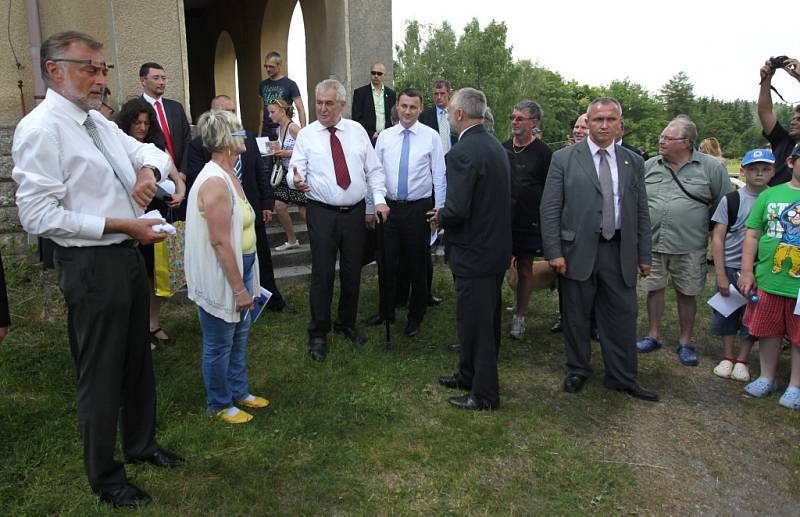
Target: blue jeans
pixel 224 347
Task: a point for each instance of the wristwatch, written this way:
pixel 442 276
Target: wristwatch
pixel 156 172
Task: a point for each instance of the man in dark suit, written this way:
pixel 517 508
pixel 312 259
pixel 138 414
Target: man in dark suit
pixel 596 233
pixel 477 218
pixel 168 112
pixel 438 113
pixel 372 103
pixel 257 191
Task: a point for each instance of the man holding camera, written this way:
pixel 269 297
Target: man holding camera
pixel 781 140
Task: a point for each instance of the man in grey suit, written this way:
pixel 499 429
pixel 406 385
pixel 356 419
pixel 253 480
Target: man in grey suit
pixel 595 234
pixel 477 217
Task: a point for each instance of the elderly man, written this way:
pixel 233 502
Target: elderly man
pixel 530 159
pixel 83 183
pixel 277 86
pixel 332 162
pixel 477 218
pixel 781 140
pixel 579 131
pixel 682 186
pixel 372 103
pixel 596 238
pixel 413 164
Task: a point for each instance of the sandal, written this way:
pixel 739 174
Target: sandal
pixel 724 368
pixel 790 398
pixel 760 387
pixel 155 340
pixel 740 372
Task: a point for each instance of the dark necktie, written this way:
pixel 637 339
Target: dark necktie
pixel 607 189
pixel 339 162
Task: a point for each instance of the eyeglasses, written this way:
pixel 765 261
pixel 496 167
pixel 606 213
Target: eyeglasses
pixel 671 138
pixel 512 118
pixel 376 72
pixel 111 110
pixel 241 132
pixel 95 66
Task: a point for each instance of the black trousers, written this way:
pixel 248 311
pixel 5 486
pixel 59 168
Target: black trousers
pixel 265 270
pixel 616 307
pixel 333 232
pixel 406 236
pixel 478 323
pixel 106 291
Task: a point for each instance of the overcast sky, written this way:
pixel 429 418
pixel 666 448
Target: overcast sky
pixel 648 42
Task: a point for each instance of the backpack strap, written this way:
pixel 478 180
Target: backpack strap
pixel 733 199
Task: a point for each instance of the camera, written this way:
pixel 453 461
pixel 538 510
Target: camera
pixel 778 62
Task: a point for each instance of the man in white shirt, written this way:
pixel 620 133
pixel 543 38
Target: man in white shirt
pixel 83 183
pixel 413 165
pixel 332 162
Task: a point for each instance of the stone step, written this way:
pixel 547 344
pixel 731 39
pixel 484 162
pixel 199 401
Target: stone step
pixel 291 275
pixel 277 235
pixel 300 256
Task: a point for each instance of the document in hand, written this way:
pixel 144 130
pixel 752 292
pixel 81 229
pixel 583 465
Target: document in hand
pixel 259 304
pixel 726 305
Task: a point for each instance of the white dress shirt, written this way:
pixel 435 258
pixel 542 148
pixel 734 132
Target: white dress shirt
pixel 312 158
pixel 426 168
pixel 152 102
pixel 612 164
pixel 67 188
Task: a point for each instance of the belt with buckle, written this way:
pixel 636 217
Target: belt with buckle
pixel 334 207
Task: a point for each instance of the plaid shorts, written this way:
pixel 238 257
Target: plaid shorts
pixel 773 316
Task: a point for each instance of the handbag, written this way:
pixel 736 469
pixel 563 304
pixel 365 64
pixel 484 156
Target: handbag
pixel 169 276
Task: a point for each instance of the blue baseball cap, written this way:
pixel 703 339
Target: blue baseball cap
pixel 758 155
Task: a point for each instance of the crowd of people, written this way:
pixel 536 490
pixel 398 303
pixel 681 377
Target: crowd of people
pixel 598 211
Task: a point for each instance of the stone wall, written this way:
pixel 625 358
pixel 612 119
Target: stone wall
pixel 13 241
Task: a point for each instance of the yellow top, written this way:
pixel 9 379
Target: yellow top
pixel 248 226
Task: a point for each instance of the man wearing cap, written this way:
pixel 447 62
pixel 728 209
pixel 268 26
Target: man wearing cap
pixel 781 140
pixel 683 185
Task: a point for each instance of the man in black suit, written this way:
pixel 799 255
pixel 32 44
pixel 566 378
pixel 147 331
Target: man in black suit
pixel 596 234
pixel 169 113
pixel 477 218
pixel 432 117
pixel 372 103
pixel 257 191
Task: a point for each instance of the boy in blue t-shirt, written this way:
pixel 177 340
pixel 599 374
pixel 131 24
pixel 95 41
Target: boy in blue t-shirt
pixel 726 248
pixel 773 228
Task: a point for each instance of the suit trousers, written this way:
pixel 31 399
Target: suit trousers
pixel 478 324
pixel 616 308
pixel 265 270
pixel 333 232
pixel 406 236
pixel 106 292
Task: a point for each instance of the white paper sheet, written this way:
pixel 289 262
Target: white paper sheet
pixel 262 142
pixel 797 304
pixel 726 305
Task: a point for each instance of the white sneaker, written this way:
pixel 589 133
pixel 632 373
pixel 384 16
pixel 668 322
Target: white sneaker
pixel 723 369
pixel 740 372
pixel 517 326
pixel 288 246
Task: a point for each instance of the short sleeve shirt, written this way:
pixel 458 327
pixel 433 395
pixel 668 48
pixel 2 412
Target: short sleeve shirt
pixel 782 146
pixel 735 236
pixel 776 214
pixel 269 90
pixel 528 174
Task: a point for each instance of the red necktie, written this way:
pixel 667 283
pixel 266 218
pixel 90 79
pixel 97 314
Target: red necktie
pixel 339 163
pixel 162 120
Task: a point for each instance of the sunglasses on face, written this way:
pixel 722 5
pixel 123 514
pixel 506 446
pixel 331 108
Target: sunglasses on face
pixel 376 72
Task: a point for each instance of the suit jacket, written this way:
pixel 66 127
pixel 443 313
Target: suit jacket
pixel 363 109
pixel 477 212
pixel 571 210
pixel 255 179
pixel 428 117
pixel 5 316
pixel 179 131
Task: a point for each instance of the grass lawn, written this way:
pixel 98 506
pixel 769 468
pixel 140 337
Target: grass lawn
pixel 369 431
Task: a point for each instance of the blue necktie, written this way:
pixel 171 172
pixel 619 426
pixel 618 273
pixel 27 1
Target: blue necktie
pixel 402 179
pixel 238 167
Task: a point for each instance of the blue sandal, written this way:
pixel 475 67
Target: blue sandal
pixel 647 345
pixel 790 398
pixel 761 387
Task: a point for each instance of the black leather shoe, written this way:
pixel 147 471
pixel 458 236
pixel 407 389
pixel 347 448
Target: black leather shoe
pixel 469 402
pixel 557 327
pixel 453 382
pixel 434 300
pixel 317 347
pixel 455 348
pixel 350 333
pixel 125 496
pixel 412 327
pixel 635 391
pixel 574 383
pixel 160 458
pixel 376 320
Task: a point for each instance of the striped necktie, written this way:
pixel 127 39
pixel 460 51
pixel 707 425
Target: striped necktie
pixel 238 167
pixel 91 128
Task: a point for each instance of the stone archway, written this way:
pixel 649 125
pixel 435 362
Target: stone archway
pixel 225 67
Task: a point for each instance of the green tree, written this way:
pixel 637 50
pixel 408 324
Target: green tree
pixel 677 95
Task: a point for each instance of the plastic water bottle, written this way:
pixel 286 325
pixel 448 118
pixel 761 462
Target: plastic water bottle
pixel 754 298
